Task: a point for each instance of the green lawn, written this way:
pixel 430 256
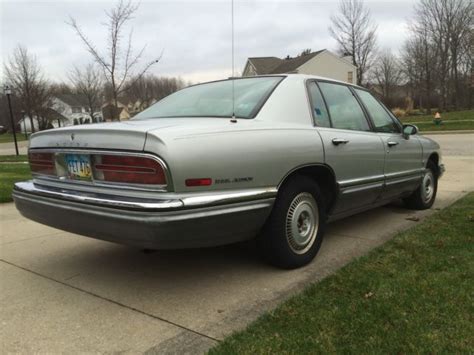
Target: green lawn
pixel 415 294
pixel 456 120
pixel 13 158
pixel 9 174
pixel 446 126
pixel 445 116
pixel 8 137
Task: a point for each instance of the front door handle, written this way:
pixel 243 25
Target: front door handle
pixel 392 143
pixel 337 141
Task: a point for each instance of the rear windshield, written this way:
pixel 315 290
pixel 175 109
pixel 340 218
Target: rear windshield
pixel 215 99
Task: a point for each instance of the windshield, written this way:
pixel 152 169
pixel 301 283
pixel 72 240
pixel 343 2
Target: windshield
pixel 215 99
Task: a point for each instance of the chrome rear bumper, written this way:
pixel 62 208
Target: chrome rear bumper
pixel 192 220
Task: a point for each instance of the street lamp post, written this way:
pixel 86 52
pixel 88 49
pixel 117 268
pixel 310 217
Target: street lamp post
pixel 8 92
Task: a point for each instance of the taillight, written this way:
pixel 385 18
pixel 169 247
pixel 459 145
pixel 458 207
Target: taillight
pixel 42 163
pixel 128 169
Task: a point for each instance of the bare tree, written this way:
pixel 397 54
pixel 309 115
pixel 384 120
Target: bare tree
pixel 148 89
pixel 120 62
pixel 448 24
pixel 387 74
pixel 88 83
pixel 61 88
pixel 355 33
pixel 24 74
pixel 420 63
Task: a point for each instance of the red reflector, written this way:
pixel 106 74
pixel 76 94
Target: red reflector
pixel 129 169
pixel 199 182
pixel 42 163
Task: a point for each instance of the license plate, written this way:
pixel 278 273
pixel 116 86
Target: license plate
pixel 78 166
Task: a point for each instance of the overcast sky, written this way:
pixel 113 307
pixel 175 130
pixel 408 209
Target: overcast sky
pixel 194 35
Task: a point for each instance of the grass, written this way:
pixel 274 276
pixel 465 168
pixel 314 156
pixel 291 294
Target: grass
pixel 446 126
pixel 446 116
pixel 412 295
pixel 8 137
pixel 13 158
pixel 9 174
pixel 456 120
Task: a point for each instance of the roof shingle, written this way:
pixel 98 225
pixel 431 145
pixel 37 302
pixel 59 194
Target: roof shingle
pixel 274 65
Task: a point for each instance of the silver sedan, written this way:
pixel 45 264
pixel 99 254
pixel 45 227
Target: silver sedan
pixel 271 157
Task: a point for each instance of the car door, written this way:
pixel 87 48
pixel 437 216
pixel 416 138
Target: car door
pixel 351 149
pixel 403 166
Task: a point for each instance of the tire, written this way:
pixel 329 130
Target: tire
pixel 294 231
pixel 424 196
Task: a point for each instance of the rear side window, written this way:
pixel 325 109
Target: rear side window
pixel 320 113
pixel 344 108
pixel 380 117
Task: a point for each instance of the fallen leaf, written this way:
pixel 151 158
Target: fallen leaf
pixel 369 294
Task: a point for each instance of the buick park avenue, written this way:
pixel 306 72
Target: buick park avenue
pixel 269 157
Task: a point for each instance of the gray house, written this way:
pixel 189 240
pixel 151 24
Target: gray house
pixel 322 63
pixel 75 108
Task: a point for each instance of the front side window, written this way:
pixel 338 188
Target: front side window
pixel 380 117
pixel 344 108
pixel 320 113
pixel 215 99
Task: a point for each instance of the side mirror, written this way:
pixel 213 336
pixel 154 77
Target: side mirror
pixel 409 130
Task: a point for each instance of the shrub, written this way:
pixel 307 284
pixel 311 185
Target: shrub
pixel 398 112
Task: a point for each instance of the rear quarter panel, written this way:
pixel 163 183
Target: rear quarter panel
pixel 243 157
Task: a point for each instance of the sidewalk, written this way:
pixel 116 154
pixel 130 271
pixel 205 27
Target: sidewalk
pixel 9 148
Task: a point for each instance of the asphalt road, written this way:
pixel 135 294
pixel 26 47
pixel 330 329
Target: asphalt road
pixel 65 293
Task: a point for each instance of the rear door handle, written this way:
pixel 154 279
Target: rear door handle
pixel 337 141
pixel 392 143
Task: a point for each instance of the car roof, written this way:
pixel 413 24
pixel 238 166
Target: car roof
pixel 304 77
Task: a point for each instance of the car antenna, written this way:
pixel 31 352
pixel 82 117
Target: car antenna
pixel 233 79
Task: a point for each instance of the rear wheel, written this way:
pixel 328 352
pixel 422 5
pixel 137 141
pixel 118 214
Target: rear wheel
pixel 293 233
pixel 424 197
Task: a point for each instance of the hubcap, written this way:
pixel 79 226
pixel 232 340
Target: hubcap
pixel 427 187
pixel 302 223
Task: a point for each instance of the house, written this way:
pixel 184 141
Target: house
pixel 110 112
pixel 63 110
pixel 321 63
pixel 75 108
pixel 50 118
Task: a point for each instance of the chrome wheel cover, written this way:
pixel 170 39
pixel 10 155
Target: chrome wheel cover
pixel 302 223
pixel 428 187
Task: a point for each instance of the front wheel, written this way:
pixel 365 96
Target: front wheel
pixel 424 197
pixel 294 231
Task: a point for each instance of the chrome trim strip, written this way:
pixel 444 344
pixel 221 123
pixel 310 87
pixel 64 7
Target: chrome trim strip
pixel 377 178
pixel 96 199
pixel 192 201
pixel 229 197
pixel 401 180
pixel 404 173
pixel 360 181
pixel 95 182
pixel 359 188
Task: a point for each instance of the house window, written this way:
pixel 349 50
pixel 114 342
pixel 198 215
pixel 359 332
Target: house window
pixel 349 77
pixel 76 110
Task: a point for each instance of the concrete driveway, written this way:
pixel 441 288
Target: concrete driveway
pixel 64 293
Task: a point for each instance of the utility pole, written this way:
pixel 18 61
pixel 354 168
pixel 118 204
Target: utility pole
pixel 8 92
